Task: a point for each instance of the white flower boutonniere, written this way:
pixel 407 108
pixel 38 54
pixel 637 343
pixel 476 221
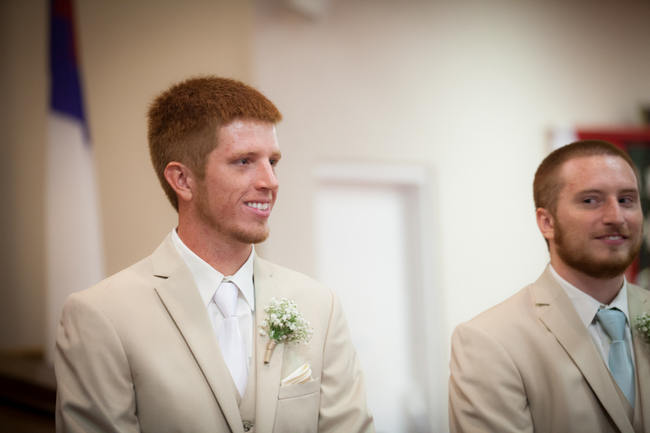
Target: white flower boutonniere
pixel 643 326
pixel 283 324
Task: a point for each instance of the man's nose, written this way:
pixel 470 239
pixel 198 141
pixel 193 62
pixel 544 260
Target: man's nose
pixel 266 177
pixel 613 214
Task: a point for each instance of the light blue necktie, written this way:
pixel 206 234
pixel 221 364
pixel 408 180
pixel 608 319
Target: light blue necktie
pixel 620 361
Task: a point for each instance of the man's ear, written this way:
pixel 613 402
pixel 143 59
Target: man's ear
pixel 181 179
pixel 546 223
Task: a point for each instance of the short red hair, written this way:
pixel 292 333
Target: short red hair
pixel 183 121
pixel 547 183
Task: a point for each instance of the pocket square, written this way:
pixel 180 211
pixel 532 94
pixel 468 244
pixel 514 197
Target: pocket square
pixel 301 374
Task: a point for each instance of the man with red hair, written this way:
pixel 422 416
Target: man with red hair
pixel 172 343
pixel 564 354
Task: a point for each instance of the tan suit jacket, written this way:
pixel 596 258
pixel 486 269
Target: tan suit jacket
pixel 529 364
pixel 137 352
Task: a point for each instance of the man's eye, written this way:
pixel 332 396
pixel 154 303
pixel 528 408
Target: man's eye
pixel 273 162
pixel 627 200
pixel 243 161
pixel 589 200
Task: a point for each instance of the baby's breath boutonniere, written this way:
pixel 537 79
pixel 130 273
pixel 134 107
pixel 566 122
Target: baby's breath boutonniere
pixel 643 326
pixel 283 324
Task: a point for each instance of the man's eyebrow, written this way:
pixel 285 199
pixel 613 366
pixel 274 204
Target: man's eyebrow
pixel 600 191
pixel 246 153
pixel 589 191
pixel 242 154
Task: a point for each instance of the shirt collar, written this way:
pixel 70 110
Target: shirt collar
pixel 587 306
pixel 208 279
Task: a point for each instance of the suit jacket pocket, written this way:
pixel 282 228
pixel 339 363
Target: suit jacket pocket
pixel 299 389
pixel 298 408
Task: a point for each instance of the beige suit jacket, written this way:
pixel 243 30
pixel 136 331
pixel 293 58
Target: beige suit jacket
pixel 137 352
pixel 529 364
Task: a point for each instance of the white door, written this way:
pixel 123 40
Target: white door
pixel 367 250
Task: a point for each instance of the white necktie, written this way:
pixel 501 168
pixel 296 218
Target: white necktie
pixel 230 337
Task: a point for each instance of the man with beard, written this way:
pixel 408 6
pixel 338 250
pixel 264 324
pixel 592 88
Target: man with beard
pixel 563 354
pixel 173 343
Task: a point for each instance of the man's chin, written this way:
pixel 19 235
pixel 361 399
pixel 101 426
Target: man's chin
pixel 606 272
pixel 604 269
pixel 252 237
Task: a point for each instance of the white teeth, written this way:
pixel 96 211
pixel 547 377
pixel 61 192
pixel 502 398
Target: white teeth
pixel 614 237
pixel 256 205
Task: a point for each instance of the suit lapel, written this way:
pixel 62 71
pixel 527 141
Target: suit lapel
pixel 268 375
pixel 555 310
pixel 638 303
pixel 181 299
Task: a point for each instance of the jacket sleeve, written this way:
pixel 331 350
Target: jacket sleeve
pixel 343 405
pixel 94 386
pixel 486 392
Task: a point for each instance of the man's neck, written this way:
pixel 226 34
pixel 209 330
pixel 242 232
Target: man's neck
pixel 604 290
pixel 225 257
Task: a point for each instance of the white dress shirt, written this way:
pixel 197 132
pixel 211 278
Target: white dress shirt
pixel 208 279
pixel 587 307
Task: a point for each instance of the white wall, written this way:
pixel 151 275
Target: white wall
pixel 132 51
pixel 22 141
pixel 129 52
pixel 468 89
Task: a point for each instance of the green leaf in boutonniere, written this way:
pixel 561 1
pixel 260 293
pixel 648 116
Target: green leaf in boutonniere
pixel 283 324
pixel 643 326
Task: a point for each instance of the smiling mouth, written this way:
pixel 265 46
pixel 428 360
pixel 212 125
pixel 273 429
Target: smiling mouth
pixel 258 205
pixel 612 237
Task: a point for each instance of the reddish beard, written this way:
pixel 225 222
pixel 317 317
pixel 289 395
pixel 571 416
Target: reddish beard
pixel 229 228
pixel 582 260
